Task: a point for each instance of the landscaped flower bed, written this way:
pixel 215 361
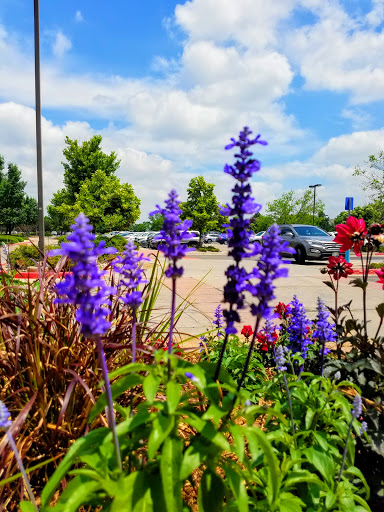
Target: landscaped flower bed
pixel 103 418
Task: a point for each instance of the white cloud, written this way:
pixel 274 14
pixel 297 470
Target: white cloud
pixel 79 17
pixel 61 45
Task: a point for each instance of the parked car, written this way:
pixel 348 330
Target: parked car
pixel 193 240
pixel 310 242
pixel 332 233
pixel 222 239
pixel 257 237
pixel 211 237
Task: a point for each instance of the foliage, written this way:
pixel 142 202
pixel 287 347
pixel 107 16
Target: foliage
pixel 261 222
pixel 157 221
pixel 366 212
pixel 294 208
pixel 208 248
pixel 109 204
pixel 201 205
pixel 11 239
pixel 234 358
pixel 116 241
pixel 83 161
pixel 142 226
pixel 25 256
pixel 16 208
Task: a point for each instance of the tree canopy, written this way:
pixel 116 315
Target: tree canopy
pixel 16 208
pixel 294 208
pixel 372 177
pixel 109 204
pixel 92 187
pixel 82 161
pixel 201 205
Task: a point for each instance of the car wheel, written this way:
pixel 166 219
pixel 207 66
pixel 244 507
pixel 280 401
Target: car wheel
pixel 225 242
pixel 209 241
pixel 300 255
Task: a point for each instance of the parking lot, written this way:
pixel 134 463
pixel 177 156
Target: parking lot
pixel 305 281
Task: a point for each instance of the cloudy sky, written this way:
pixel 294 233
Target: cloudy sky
pixel 167 83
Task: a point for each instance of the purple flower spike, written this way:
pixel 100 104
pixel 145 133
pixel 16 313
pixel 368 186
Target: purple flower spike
pixel 85 287
pixel 324 330
pixel 131 275
pixel 280 359
pixel 192 377
pixel 357 407
pixel 172 233
pixel 267 270
pixel 298 328
pixel 5 415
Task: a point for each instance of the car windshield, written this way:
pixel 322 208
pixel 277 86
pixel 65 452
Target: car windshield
pixel 310 231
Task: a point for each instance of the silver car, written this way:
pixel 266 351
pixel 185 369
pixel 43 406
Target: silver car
pixel 309 242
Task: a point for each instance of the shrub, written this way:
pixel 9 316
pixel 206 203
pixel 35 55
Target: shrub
pixel 26 256
pixel 11 239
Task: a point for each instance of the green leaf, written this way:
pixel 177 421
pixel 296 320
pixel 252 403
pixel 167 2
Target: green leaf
pixel 26 506
pixel 354 471
pixel 325 465
pixel 330 499
pixel 358 283
pixel 161 428
pixel 79 491
pixel 117 388
pixel 309 418
pixel 238 440
pixel 330 284
pixel 207 430
pixel 134 494
pixel 173 396
pixel 170 462
pixel 236 482
pixel 290 503
pixel 150 386
pixel 88 443
pixel 380 310
pixel 274 474
pixel 211 492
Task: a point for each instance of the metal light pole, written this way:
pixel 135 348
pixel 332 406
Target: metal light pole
pixel 38 129
pixel 314 201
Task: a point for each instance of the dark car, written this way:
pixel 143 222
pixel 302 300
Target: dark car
pixel 309 242
pixel 222 239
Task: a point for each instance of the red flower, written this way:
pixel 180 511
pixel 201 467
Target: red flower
pixel 282 310
pixel 247 331
pixel 351 234
pixel 338 267
pixel 380 274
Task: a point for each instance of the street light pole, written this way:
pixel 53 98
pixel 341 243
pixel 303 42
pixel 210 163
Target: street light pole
pixel 38 130
pixel 314 200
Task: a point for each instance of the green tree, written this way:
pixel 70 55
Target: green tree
pixel 294 208
pixel 367 212
pixel 156 222
pixel 201 205
pixel 142 226
pixel 372 176
pixel 261 222
pixel 61 221
pixel 109 204
pixel 83 161
pixel 16 208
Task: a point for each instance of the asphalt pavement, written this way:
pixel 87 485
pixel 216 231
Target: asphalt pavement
pixel 206 271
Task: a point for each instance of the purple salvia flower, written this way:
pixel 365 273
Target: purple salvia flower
pixel 131 277
pixel 324 332
pixel 85 286
pixel 192 377
pixel 218 320
pixel 239 225
pixel 5 423
pixel 363 427
pixel 202 343
pixel 297 328
pixel 280 359
pixel 357 407
pixel 267 270
pixel 173 232
pixel 243 205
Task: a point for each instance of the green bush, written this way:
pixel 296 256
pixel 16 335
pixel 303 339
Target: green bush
pixel 26 256
pixel 117 241
pixel 10 239
pixel 210 248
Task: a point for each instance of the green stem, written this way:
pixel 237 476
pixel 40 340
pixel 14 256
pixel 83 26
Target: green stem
pixel 345 451
pixel 109 408
pixel 290 407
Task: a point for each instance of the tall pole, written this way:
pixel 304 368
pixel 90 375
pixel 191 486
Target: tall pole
pixel 314 201
pixel 39 159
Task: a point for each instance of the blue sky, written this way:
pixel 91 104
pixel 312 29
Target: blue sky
pixel 167 83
